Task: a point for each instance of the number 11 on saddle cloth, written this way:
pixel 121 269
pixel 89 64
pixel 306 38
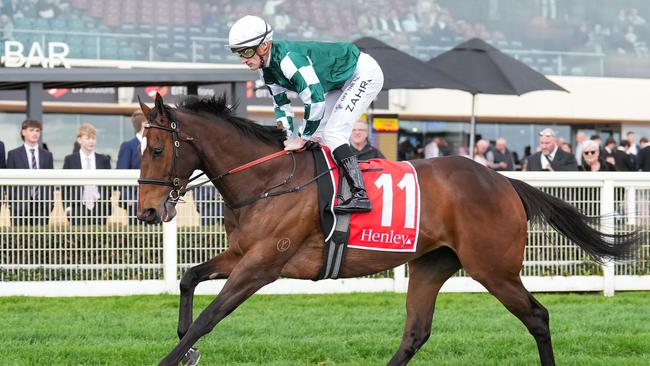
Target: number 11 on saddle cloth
pixel 394 221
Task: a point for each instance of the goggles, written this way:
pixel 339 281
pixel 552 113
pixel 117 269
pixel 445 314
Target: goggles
pixel 247 52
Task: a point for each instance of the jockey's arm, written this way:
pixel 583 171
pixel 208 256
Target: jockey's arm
pixel 282 107
pixel 300 71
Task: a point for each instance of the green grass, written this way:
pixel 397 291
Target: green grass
pixel 357 329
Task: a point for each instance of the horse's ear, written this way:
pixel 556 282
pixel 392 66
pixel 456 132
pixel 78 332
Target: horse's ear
pixel 144 107
pixel 160 104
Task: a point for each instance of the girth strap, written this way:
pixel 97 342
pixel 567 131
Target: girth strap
pixel 337 246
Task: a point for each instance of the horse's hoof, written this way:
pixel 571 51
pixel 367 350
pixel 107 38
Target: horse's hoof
pixel 191 358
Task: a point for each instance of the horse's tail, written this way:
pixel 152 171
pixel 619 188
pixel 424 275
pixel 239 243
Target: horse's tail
pixel 573 224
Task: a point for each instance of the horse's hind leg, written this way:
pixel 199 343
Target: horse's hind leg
pixel 427 274
pixel 217 267
pixel 514 296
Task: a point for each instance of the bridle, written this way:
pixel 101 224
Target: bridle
pixel 178 189
pixel 173 180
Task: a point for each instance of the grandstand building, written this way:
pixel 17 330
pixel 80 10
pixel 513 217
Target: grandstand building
pixel 597 49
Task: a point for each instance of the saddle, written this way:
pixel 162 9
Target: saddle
pixel 393 223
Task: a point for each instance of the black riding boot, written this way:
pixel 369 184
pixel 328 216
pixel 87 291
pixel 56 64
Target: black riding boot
pixel 359 201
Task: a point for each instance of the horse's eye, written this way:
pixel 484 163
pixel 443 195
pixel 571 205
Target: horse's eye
pixel 157 151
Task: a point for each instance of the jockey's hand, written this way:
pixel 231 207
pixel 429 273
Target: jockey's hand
pixel 295 143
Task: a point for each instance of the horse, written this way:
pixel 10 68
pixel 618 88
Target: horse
pixel 471 218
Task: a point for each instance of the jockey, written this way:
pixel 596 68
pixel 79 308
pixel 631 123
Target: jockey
pixel 335 81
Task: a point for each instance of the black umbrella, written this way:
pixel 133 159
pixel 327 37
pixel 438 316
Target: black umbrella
pixel 403 71
pixel 489 71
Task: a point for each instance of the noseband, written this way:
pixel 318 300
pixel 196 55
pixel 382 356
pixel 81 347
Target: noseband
pixel 173 181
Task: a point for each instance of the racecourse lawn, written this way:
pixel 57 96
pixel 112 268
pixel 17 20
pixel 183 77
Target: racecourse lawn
pixel 349 329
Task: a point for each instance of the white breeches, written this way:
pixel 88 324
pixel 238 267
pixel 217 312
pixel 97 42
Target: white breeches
pixel 344 107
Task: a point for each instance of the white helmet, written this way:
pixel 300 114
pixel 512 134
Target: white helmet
pixel 249 31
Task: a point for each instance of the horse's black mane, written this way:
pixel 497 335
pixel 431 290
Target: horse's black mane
pixel 216 107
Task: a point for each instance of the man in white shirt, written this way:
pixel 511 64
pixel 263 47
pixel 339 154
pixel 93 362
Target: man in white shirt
pixel 432 150
pixel 84 205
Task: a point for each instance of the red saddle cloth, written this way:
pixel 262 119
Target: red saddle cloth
pixel 394 221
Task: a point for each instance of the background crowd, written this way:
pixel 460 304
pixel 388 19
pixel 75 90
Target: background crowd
pixel 554 153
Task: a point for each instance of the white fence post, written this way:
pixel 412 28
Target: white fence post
pixel 399 274
pixel 630 205
pixel 170 256
pixel 607 226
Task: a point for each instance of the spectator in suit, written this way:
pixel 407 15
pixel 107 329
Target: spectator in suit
pixel 551 157
pixel 610 150
pixel 432 149
pixel 592 161
pixel 88 204
pixel 129 158
pixel 644 155
pixel 360 144
pixel 3 162
pixel 500 157
pixel 131 150
pixel 634 147
pixel 30 204
pixel 623 160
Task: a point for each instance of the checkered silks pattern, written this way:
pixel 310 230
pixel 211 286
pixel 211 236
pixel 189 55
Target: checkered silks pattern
pixel 299 70
pixel 283 110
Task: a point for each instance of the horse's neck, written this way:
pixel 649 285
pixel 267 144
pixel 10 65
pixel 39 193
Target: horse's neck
pixel 223 150
pixel 248 183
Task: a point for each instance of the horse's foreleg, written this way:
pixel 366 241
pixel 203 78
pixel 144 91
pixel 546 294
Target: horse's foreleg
pixel 427 274
pixel 250 274
pixel 216 268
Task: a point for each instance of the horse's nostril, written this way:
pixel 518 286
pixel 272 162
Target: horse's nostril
pixel 148 215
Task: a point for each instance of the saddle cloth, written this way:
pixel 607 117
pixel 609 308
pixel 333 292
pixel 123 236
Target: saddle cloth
pixel 394 191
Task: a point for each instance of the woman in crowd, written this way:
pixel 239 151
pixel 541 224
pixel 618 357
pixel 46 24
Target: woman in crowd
pixel 592 161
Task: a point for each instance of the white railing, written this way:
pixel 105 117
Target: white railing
pixel 59 253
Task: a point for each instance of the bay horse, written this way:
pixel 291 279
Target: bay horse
pixel 471 218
